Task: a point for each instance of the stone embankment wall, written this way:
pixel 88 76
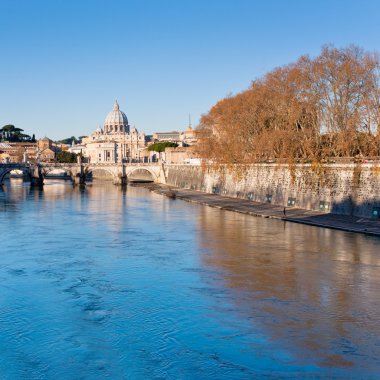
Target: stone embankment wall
pixel 349 189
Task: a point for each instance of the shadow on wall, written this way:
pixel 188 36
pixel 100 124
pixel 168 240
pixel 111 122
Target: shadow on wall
pixel 99 174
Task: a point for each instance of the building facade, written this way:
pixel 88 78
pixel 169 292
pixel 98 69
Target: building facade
pixel 188 137
pixel 173 136
pixel 115 142
pixel 18 152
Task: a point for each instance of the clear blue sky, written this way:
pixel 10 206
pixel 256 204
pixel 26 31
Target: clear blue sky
pixel 64 62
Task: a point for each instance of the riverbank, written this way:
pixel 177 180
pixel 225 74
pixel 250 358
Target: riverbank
pixel 266 210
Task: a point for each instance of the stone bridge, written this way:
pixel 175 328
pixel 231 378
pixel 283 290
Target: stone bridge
pixel 120 173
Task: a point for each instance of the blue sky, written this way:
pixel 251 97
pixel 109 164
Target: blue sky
pixel 64 62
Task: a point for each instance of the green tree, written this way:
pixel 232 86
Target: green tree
pixel 68 140
pixel 11 128
pixel 160 146
pixel 66 157
pixel 13 134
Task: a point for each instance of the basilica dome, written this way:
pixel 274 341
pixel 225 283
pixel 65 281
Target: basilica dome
pixel 116 121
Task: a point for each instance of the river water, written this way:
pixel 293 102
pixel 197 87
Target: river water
pixel 127 284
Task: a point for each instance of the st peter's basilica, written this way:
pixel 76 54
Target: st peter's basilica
pixel 115 142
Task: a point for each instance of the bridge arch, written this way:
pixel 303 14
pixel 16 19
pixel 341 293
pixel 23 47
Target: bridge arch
pixel 7 170
pixel 141 174
pixel 99 173
pixel 47 170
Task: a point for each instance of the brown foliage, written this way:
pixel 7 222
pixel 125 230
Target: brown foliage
pixel 309 110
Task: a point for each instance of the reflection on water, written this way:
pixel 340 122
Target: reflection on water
pixel 105 282
pixel 315 291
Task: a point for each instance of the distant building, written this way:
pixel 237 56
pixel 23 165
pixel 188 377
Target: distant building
pixel 115 142
pixel 167 136
pixel 189 137
pixel 44 150
pixel 44 143
pixel 47 150
pixel 6 152
pixel 180 155
pixel 17 152
pixel 77 149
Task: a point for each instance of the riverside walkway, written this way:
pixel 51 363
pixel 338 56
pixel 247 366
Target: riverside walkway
pixel 266 210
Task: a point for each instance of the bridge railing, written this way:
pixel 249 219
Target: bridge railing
pixel 75 165
pixel 57 164
pixel 110 164
pixel 13 164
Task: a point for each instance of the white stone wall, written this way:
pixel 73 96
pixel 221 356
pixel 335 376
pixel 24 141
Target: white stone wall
pixel 348 189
